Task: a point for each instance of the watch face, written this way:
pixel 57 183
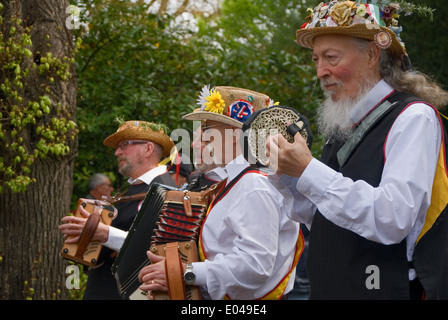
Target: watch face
pixel 189 276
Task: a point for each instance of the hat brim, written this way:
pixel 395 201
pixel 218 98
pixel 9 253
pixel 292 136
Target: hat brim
pixel 305 37
pixel 131 134
pixel 206 115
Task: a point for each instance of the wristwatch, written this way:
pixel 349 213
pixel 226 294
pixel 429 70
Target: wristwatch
pixel 189 275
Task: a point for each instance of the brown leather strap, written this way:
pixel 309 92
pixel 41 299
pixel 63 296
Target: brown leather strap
pixel 174 274
pixel 214 188
pixel 87 233
pixel 118 199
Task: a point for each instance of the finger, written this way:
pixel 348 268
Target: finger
pixel 153 286
pixel 70 228
pixel 272 145
pixel 71 231
pixel 84 212
pixel 281 141
pixel 293 129
pixel 143 272
pixel 72 219
pixel 71 235
pixel 154 258
pixel 299 138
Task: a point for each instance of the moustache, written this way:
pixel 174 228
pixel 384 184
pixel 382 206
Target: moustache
pixel 327 84
pixel 122 158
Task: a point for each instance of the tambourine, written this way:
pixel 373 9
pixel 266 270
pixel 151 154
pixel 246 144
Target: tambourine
pixel 270 121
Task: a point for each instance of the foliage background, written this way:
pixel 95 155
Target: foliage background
pixel 139 59
pixel 138 65
pixel 427 41
pixel 134 64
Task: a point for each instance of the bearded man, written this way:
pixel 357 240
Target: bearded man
pixel 376 203
pixel 140 147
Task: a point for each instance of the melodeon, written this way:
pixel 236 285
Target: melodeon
pixel 86 251
pixel 168 224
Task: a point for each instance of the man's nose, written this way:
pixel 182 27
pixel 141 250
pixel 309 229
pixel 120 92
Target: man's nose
pixel 322 70
pixel 196 143
pixel 118 151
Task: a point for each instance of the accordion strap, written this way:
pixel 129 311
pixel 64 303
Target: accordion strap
pixel 118 199
pixel 87 233
pixel 173 265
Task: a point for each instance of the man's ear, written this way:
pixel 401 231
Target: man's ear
pixel 374 53
pixel 149 149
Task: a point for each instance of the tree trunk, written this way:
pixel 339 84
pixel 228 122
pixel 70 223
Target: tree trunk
pixel 30 263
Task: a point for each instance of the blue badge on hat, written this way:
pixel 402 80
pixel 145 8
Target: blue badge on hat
pixel 240 110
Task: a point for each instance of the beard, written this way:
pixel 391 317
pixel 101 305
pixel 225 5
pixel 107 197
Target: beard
pixel 334 117
pixel 125 166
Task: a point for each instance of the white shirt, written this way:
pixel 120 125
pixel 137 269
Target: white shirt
pixel 149 175
pixel 248 239
pixel 117 236
pixel 394 210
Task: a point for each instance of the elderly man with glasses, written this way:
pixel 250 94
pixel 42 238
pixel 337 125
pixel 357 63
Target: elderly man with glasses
pixel 139 147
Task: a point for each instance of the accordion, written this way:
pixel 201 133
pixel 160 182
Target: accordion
pixel 85 251
pixel 168 218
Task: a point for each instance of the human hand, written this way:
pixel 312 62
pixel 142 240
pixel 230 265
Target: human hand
pixel 288 158
pixel 72 228
pixel 153 276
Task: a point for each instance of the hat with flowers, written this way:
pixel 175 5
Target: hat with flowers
pixel 230 105
pixel 374 20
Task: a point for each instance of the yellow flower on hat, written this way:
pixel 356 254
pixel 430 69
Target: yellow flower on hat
pixel 215 103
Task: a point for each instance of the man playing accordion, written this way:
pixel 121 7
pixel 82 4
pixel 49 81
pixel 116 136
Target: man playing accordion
pixel 248 247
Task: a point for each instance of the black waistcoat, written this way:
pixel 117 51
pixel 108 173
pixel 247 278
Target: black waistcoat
pixel 340 262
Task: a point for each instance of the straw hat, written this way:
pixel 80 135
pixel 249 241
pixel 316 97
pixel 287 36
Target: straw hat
pixel 361 20
pixel 141 130
pixel 228 105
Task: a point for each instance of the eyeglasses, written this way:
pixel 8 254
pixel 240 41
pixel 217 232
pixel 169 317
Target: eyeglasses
pixel 124 144
pixel 204 127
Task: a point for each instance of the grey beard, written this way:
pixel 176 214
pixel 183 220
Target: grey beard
pixel 126 169
pixel 334 117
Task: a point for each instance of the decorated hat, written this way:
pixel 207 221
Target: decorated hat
pixel 228 105
pixel 141 130
pixel 376 21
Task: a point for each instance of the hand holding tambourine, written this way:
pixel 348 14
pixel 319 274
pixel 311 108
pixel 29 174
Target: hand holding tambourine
pixel 269 122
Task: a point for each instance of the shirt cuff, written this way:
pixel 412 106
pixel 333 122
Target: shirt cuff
pixel 200 271
pixel 315 180
pixel 116 238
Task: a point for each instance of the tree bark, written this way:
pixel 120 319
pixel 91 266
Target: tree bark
pixel 30 263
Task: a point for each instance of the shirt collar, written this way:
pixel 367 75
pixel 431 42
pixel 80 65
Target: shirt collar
pixel 234 167
pixel 149 175
pixel 216 174
pixel 377 94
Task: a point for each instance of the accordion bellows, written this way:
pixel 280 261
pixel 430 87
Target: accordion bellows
pixel 167 215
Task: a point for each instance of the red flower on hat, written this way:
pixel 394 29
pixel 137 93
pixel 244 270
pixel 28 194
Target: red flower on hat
pixel 387 13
